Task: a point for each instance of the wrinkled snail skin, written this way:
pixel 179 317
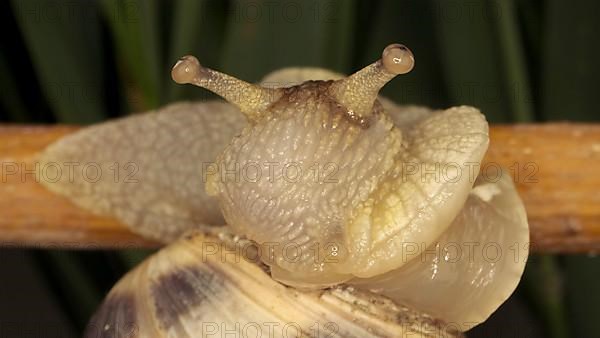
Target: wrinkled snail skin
pixel 474 266
pixel 386 202
pixel 145 170
pixel 356 225
pixel 201 287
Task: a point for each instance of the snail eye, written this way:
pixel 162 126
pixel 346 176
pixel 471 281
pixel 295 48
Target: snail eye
pixel 186 69
pixel 397 59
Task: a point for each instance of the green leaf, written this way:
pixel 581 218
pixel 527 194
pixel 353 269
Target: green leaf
pixel 472 55
pixel 516 76
pixel 543 283
pixel 132 257
pixel 581 277
pixel 338 20
pixel 135 28
pixel 570 61
pixel 9 94
pixel 412 24
pixel 197 28
pixel 64 42
pixel 263 36
pixel 186 29
pixel 77 289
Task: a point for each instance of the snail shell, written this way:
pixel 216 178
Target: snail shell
pixel 359 229
pixel 202 286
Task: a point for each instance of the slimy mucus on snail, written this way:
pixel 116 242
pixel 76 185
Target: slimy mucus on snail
pixel 404 219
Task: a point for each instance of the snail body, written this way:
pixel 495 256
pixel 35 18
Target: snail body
pixel 144 169
pixel 364 192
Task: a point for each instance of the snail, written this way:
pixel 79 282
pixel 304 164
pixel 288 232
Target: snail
pixel 341 197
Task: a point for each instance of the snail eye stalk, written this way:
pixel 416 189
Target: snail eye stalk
pixel 356 92
pixel 251 99
pixel 359 91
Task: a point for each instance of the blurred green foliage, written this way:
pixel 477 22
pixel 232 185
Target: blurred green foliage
pixel 85 61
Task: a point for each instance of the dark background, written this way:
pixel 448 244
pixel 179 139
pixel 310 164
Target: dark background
pixel 80 62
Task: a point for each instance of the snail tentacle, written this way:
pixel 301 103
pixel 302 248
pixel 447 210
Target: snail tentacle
pixel 359 91
pixel 250 98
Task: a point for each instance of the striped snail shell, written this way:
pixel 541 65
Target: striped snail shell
pixel 202 286
pixel 331 183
